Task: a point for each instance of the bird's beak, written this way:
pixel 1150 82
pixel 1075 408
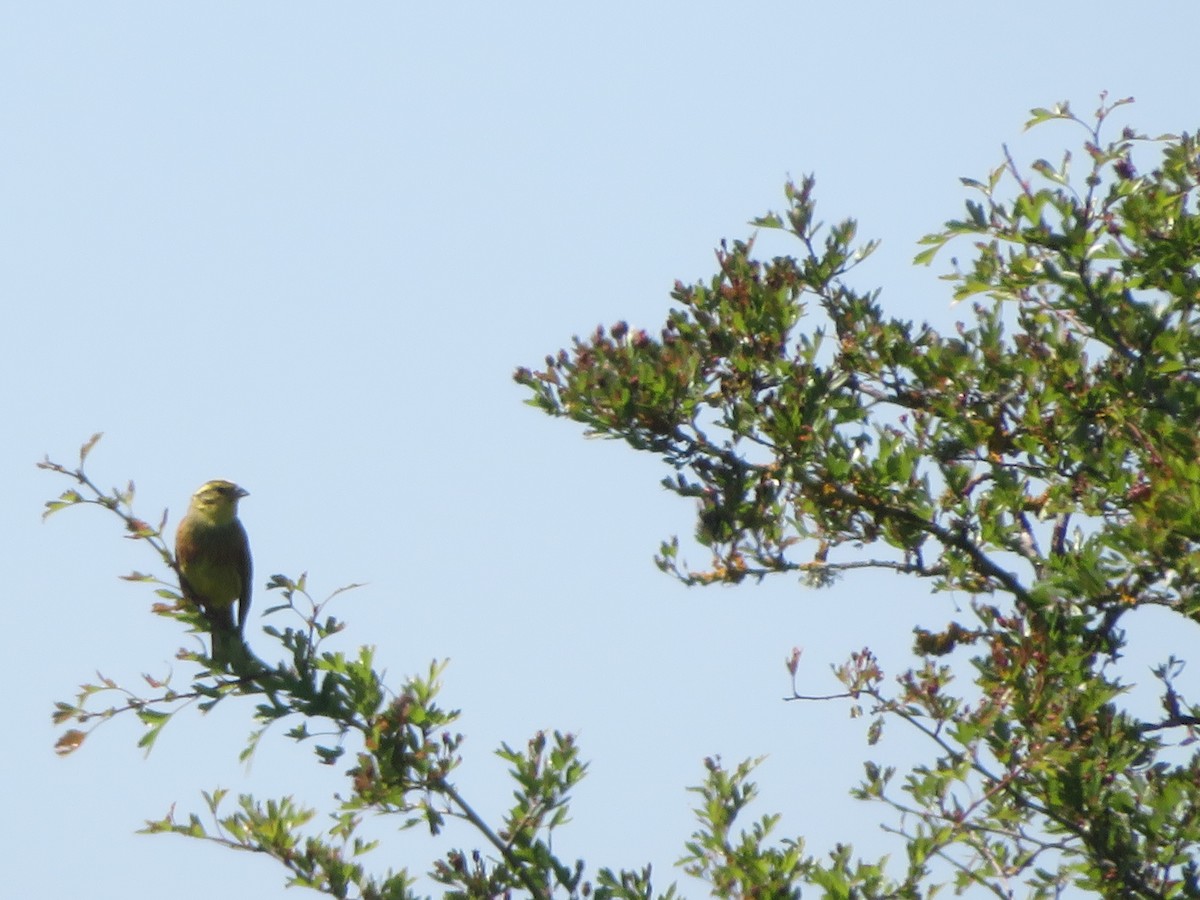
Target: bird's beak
pixel 242 492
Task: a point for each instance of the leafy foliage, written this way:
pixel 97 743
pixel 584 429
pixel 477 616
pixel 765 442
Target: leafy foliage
pixel 1044 459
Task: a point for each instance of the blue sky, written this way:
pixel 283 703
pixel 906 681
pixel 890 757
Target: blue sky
pixel 304 246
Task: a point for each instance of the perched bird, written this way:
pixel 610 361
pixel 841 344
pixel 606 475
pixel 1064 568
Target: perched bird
pixel 213 556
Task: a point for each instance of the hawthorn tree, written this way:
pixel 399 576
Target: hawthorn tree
pixel 1042 459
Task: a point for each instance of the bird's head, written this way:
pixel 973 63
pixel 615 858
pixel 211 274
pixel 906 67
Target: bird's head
pixel 216 501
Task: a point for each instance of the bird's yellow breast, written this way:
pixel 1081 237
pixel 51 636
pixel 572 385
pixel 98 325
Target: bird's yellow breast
pixel 215 580
pixel 214 559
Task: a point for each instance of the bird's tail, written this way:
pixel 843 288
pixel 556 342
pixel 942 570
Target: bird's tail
pixel 229 648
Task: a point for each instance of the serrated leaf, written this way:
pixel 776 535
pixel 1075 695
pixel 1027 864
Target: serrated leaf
pixel 53 506
pixel 771 220
pixel 925 257
pixel 88 445
pixel 147 740
pixel 213 800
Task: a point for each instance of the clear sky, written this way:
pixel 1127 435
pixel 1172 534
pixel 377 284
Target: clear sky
pixel 303 246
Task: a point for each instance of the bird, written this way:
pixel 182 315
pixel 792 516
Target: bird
pixel 212 555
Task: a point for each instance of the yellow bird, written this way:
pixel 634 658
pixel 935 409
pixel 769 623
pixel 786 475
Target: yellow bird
pixel 213 555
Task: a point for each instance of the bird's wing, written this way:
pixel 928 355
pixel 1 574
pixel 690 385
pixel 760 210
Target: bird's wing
pixel 246 571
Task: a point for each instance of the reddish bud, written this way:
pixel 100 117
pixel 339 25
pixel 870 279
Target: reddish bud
pixel 793 660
